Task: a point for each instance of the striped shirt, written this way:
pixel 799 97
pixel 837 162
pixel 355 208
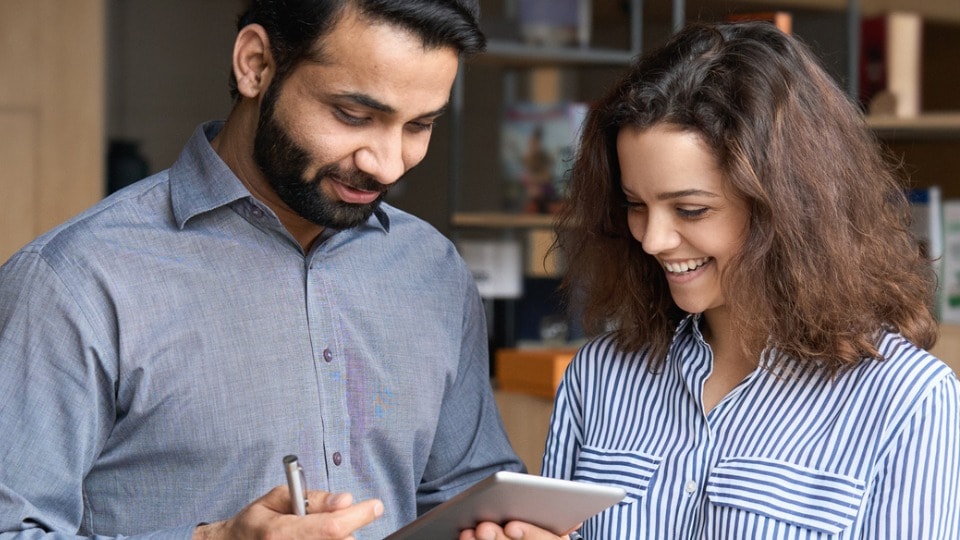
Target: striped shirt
pixel 787 454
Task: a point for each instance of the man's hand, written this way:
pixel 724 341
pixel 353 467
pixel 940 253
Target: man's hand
pixel 514 530
pixel 329 517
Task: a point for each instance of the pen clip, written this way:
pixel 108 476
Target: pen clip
pixel 297 482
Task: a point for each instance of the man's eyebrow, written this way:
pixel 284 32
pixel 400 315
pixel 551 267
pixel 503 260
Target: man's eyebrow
pixel 371 103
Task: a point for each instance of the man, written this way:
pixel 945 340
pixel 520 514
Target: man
pixel 162 352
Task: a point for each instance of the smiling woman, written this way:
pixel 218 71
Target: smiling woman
pixel 741 252
pixel 680 210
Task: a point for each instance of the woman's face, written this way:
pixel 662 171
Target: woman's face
pixel 679 211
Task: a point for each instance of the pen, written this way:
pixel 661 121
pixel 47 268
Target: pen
pixel 297 483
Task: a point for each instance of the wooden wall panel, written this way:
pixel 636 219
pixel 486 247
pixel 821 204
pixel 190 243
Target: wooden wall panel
pixel 72 122
pixel 52 149
pixel 19 53
pixel 18 154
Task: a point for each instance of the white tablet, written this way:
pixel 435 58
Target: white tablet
pixel 549 503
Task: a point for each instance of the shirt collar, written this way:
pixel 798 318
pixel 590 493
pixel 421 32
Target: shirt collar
pixel 689 325
pixel 219 185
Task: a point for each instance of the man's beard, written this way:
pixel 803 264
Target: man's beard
pixel 284 165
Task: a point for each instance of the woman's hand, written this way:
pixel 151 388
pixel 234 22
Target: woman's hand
pixel 514 530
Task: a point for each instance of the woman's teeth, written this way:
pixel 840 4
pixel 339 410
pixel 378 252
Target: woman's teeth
pixel 685 266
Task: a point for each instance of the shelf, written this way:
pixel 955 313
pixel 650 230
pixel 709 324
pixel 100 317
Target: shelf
pixel 926 125
pixel 515 53
pixel 501 220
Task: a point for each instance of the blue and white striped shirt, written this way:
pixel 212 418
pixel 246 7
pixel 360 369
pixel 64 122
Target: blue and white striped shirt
pixel 787 454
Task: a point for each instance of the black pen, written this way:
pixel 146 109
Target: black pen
pixel 297 483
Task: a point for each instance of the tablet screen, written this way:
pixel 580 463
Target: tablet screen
pixel 549 503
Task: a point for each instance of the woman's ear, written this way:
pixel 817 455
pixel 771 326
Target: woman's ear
pixel 252 61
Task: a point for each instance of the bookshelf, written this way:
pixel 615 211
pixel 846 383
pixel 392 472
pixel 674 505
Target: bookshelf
pixel 929 143
pixel 931 125
pixel 646 25
pixel 511 71
pixel 501 220
pixel 517 54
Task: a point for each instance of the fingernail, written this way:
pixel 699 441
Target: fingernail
pixel 378 509
pixel 334 499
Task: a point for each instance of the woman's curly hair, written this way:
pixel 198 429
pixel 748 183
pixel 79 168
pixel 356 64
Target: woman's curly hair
pixel 829 260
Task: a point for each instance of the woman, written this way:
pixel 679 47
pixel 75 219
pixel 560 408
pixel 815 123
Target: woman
pixel 733 229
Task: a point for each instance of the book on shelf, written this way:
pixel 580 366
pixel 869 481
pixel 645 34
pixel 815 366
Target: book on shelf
pixel 927 209
pixel 781 19
pixel 949 293
pixel 496 266
pixel 555 22
pixel 537 145
pixel 891 48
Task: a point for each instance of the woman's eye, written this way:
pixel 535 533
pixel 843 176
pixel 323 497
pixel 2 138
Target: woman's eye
pixel 631 205
pixel 692 213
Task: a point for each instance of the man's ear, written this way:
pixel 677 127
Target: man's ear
pixel 252 61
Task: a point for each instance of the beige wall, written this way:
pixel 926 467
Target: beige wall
pixel 51 114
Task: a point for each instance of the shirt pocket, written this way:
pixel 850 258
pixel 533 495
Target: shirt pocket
pixel 632 471
pixel 817 500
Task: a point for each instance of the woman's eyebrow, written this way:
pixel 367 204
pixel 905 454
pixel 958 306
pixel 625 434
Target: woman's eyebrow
pixel 685 193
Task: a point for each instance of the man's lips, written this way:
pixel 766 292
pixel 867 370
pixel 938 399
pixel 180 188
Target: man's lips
pixel 351 195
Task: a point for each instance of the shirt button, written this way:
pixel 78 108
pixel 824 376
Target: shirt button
pixel 691 486
pixel 328 355
pixel 337 459
pixel 257 212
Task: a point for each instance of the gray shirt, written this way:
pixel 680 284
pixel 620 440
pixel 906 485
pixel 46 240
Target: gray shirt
pixel 161 353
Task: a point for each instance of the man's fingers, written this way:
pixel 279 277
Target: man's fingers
pixel 323 501
pixel 342 522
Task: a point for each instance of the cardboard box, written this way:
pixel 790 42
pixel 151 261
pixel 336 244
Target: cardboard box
pixel 531 371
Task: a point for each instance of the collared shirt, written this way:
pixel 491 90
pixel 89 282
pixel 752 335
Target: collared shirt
pixel 788 454
pixel 163 351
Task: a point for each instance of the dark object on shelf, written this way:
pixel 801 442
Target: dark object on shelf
pixel 125 164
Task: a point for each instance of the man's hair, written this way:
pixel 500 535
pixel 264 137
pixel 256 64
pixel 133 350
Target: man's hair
pixel 827 261
pixel 296 27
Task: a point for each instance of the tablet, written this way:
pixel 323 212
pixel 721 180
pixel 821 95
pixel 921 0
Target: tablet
pixel 549 503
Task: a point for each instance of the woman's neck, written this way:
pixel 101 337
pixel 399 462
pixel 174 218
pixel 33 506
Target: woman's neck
pixel 730 361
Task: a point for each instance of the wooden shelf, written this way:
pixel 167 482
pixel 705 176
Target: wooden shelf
pixel 503 52
pixel 932 125
pixel 501 220
pixel 934 10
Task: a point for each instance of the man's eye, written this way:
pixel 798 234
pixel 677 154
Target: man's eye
pixel 348 118
pixel 420 126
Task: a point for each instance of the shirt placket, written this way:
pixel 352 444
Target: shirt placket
pixel 329 364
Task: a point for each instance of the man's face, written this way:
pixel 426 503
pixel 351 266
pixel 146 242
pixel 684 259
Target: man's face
pixel 284 163
pixel 335 135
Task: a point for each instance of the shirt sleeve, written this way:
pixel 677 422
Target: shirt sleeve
pixel 470 442
pixel 918 495
pixel 57 381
